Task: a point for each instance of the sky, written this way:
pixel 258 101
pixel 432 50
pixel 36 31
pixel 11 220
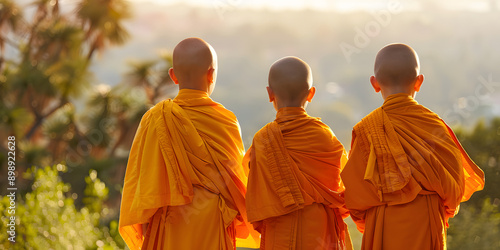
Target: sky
pixel 338 5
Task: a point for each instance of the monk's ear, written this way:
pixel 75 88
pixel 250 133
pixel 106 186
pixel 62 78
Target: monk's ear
pixel 172 75
pixel 211 75
pixel 270 93
pixel 375 84
pixel 311 93
pixel 418 83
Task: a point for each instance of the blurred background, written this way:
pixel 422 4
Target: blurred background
pixel 76 76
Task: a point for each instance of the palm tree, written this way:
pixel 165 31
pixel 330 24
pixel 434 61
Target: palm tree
pixel 61 128
pixel 151 76
pixel 10 17
pixel 56 51
pixel 141 75
pixel 13 118
pixel 46 10
pixel 49 70
pixel 128 111
pixel 102 22
pixel 99 121
pixel 57 39
pixel 48 86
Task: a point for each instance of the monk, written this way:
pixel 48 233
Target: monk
pixel 184 185
pixel 407 173
pixel 295 195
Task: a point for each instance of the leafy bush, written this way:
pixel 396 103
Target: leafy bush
pixel 475 228
pixel 47 218
pixel 477 225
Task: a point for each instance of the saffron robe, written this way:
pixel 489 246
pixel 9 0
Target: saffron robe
pixel 184 177
pixel 295 195
pixel 406 176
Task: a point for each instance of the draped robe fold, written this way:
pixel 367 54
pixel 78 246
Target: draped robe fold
pixel 184 177
pixel 406 176
pixel 295 195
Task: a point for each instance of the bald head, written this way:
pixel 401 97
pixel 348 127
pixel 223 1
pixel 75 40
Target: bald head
pixel 290 79
pixel 396 64
pixel 193 58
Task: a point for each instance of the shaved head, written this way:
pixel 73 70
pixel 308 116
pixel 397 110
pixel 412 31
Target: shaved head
pixel 396 64
pixel 290 79
pixel 192 59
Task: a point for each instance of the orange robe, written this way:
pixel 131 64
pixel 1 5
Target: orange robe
pixel 184 177
pixel 406 175
pixel 295 195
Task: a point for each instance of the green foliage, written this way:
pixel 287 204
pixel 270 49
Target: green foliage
pixel 356 236
pixel 10 16
pixel 483 146
pixel 48 219
pixel 103 25
pixel 477 225
pixel 475 228
pixel 44 77
pixel 95 192
pixel 33 154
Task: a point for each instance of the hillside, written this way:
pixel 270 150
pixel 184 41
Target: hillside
pixel 457 49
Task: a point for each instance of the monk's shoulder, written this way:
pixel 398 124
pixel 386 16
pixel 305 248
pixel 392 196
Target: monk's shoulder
pixel 361 131
pixel 261 139
pixel 262 131
pixel 435 125
pixel 219 108
pixel 423 117
pixel 427 112
pixel 323 133
pixel 360 127
pixel 321 127
pixel 146 118
pixel 154 111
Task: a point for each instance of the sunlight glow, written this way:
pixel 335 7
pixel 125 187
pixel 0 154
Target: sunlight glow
pixel 327 5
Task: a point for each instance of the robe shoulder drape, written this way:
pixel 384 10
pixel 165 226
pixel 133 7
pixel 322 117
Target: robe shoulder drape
pixel 295 195
pixel 406 167
pixel 185 160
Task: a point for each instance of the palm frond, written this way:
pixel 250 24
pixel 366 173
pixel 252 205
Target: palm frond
pixel 70 76
pixel 102 22
pixel 141 73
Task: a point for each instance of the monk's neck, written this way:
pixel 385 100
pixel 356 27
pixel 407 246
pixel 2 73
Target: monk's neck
pixel 191 93
pixel 197 84
pixel 386 94
pixel 290 111
pixel 200 88
pixel 280 104
pixel 399 98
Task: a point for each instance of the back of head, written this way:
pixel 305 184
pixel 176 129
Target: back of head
pixel 396 64
pixel 192 59
pixel 290 79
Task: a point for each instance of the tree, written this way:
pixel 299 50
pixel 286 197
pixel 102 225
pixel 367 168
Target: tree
pixel 46 73
pixel 102 22
pixel 48 219
pixel 10 17
pixel 48 69
pixel 477 225
pixel 483 145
